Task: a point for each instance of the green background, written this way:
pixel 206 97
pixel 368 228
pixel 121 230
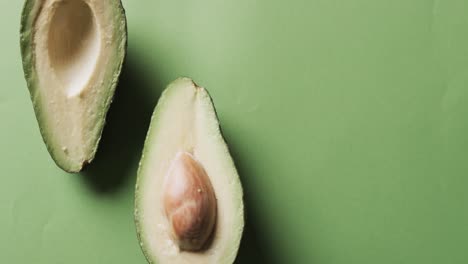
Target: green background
pixel 348 121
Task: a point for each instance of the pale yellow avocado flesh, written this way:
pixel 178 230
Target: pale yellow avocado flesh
pixel 185 121
pixel 73 52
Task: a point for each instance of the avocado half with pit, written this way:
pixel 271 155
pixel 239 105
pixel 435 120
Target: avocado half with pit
pixel 72 53
pixel 188 199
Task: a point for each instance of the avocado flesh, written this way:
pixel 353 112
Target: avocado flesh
pixel 185 120
pixel 72 53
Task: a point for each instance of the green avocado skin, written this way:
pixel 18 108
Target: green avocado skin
pixel 31 10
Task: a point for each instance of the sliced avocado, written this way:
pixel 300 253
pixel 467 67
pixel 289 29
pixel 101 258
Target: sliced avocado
pixel 188 200
pixel 72 53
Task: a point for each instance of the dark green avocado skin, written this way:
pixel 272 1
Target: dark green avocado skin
pixel 30 12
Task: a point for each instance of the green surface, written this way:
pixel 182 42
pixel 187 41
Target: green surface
pixel 348 121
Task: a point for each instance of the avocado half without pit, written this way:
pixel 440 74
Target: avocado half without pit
pixel 188 199
pixel 72 53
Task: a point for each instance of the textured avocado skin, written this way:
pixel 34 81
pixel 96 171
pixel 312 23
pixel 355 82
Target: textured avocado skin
pixel 31 10
pixel 154 118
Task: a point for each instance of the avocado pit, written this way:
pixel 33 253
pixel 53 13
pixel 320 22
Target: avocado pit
pixel 189 203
